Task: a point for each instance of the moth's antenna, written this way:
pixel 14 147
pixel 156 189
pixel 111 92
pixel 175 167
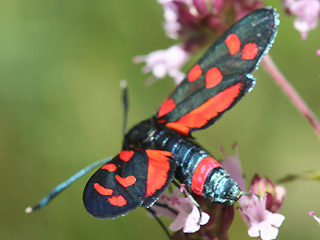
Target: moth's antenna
pixel 58 189
pixel 123 85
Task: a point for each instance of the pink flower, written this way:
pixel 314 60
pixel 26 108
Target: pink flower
pixel 233 166
pixel 318 52
pixel 184 211
pixel 262 223
pixel 171 25
pixel 307 12
pixel 313 214
pixel 196 20
pixel 259 213
pixel 165 62
pixel 196 23
pixel 188 217
pixel 221 218
pixel 264 187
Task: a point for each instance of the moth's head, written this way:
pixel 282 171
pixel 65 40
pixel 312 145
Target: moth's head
pixel 138 136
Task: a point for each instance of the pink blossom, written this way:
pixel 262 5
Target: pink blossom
pixel 196 20
pixel 313 214
pixel 171 25
pixel 244 7
pixel 196 23
pixel 307 12
pixel 221 218
pixel 262 223
pixel 318 52
pixel 165 62
pixel 184 211
pixel 259 213
pixel 188 217
pixel 264 187
pixel 232 164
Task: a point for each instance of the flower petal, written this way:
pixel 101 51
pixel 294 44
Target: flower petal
pixel 307 12
pixel 191 224
pixel 233 166
pixel 268 232
pixel 254 231
pixel 162 211
pixel 276 219
pixel 165 62
pixel 204 218
pixel 178 223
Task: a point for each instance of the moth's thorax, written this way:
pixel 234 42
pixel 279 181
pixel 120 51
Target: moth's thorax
pixel 140 136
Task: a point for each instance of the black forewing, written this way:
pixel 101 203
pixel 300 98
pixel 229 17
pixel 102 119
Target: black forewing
pixel 259 27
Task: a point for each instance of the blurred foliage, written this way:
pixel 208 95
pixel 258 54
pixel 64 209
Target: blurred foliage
pixel 60 67
pixel 310 175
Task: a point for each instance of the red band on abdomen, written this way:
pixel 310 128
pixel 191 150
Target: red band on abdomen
pixel 205 166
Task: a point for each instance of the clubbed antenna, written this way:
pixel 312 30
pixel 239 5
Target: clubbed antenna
pixel 123 85
pixel 58 189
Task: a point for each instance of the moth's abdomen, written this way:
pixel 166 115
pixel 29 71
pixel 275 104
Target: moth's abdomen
pixel 220 187
pixel 197 169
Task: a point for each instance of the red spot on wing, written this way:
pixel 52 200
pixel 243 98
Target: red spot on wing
pixel 213 77
pixel 205 166
pixel 194 73
pixel 200 116
pixel 126 155
pixel 118 201
pixel 158 168
pixel 127 181
pixel 233 43
pixel 110 167
pixel 102 190
pixel 166 107
pixel 250 51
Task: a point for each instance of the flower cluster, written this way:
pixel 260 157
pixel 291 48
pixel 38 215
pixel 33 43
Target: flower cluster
pixel 165 62
pixel 259 210
pixel 273 194
pixel 307 12
pixel 196 23
pixel 187 215
pixel 262 222
pixel 185 210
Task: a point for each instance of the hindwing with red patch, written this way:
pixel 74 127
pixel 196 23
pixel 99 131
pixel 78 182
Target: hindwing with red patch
pixel 131 179
pixel 222 76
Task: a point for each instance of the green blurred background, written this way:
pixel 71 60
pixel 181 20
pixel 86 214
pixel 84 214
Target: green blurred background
pixel 60 67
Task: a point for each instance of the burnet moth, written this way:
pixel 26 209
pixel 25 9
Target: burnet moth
pixel 159 149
